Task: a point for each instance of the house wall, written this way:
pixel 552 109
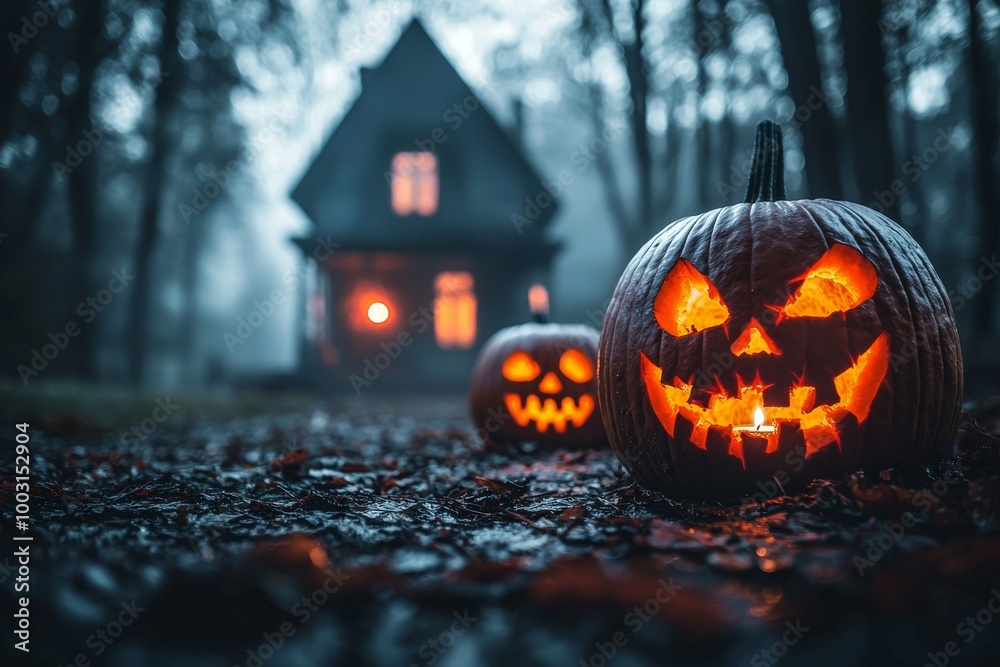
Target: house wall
pixel 403 352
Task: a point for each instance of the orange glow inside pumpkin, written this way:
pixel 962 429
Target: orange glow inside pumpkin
pixel 520 367
pixel 856 388
pixel 548 412
pixel 688 302
pixel 842 279
pixel 754 340
pixel 575 365
pixel 550 384
pixel 544 409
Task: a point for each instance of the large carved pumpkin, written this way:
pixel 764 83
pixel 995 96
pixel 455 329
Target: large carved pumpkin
pixel 775 339
pixel 537 382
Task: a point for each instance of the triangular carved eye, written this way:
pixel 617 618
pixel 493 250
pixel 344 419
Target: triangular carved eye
pixel 520 367
pixel 688 302
pixel 841 280
pixel 575 365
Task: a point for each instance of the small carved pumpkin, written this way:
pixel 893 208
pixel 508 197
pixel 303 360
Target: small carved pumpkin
pixel 774 339
pixel 537 382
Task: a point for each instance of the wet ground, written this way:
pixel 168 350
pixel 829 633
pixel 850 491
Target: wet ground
pixel 383 533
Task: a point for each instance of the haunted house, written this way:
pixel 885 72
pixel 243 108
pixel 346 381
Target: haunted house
pixel 439 226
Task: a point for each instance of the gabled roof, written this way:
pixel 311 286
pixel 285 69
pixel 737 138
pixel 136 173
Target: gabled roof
pixel 416 100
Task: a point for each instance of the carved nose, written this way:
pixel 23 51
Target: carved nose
pixel 550 384
pixel 754 340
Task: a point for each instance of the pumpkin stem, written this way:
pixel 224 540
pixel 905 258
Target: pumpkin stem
pixel 767 173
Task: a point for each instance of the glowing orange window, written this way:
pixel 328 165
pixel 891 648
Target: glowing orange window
pixel 414 183
pixel 454 310
pixel 369 307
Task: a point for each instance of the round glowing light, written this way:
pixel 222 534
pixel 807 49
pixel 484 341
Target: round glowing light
pixel 378 312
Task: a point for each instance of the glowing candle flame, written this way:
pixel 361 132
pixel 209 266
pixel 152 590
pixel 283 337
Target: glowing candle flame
pixel 538 299
pixel 758 417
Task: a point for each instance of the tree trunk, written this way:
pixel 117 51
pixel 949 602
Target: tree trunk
pixel 14 66
pixel 194 239
pixel 918 223
pixel 987 134
pixel 666 203
pixel 726 135
pixel 805 83
pixel 24 188
pixel 706 193
pixel 144 291
pixel 613 194
pixel 867 108
pixel 636 69
pixel 82 185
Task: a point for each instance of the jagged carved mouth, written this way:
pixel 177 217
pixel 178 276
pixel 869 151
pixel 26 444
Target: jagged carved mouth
pixel 734 415
pixel 547 412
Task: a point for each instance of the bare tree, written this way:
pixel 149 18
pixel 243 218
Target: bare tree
pixel 83 184
pixel 985 122
pixel 23 190
pixel 143 294
pixel 701 16
pixel 805 83
pixel 867 108
pixel 599 25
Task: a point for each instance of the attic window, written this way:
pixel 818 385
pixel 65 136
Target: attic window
pixel 414 183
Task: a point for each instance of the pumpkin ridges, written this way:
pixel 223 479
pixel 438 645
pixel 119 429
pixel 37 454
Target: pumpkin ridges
pixel 740 223
pixel 944 323
pixel 619 314
pixel 955 381
pixel 663 460
pixel 910 427
pixel 933 440
pixel 623 324
pixel 902 327
pixel 605 373
pixel 928 328
pixel 929 372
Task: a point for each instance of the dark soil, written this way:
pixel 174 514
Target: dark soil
pixel 438 550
